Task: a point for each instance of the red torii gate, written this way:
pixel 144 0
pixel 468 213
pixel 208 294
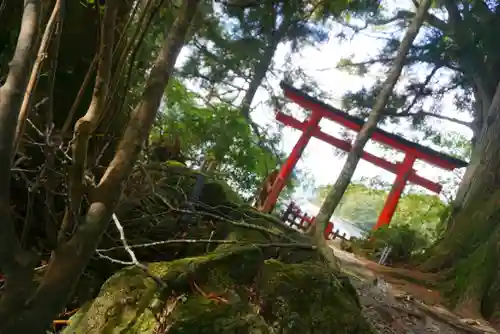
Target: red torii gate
pixel 404 171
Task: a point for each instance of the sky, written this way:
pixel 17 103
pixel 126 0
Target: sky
pixel 321 161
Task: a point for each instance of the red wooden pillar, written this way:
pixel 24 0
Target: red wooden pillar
pixel 328 230
pixel 293 158
pixel 404 171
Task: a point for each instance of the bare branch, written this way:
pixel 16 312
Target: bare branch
pixel 232 222
pixel 87 124
pixel 446 118
pixel 409 60
pixel 131 253
pixel 130 53
pixel 210 241
pixel 76 103
pixel 423 86
pixel 428 114
pixel 35 73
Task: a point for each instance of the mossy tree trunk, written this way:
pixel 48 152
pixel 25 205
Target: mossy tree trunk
pixel 469 252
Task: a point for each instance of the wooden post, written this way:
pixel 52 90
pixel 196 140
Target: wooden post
pixel 288 211
pixel 328 230
pixel 405 169
pixel 289 165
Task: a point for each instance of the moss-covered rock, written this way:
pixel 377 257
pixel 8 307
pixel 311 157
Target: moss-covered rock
pixel 231 290
pixel 308 298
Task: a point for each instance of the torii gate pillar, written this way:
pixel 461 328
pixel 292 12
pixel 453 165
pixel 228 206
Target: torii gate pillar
pixel 391 203
pixel 287 168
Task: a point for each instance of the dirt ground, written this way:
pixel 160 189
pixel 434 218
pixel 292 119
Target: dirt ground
pixel 397 306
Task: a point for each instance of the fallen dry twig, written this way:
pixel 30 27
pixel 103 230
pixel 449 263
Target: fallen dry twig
pixel 208 241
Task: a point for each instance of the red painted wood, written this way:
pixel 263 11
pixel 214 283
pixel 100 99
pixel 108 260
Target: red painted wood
pixel 328 230
pixel 346 146
pixel 376 136
pixel 392 200
pixel 290 163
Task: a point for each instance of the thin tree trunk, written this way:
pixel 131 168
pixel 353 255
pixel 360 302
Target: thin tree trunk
pixel 70 258
pixel 11 96
pixel 89 122
pixel 335 195
pixel 35 73
pixel 260 71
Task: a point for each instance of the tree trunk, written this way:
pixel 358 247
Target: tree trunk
pixel 469 251
pixel 335 195
pixel 68 261
pixel 261 69
pixel 479 128
pixel 11 97
pixel 474 66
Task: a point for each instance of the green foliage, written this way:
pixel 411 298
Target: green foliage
pixel 404 240
pixel 237 51
pixel 417 222
pixel 419 213
pixel 216 130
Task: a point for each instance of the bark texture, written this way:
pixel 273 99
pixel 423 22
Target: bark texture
pixel 13 260
pixel 70 257
pixel 469 252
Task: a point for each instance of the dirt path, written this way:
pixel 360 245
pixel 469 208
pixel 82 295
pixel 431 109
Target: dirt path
pixel 397 306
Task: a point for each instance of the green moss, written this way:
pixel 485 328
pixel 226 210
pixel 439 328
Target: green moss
pixel 473 275
pixel 261 297
pixel 219 193
pixel 120 305
pixel 201 316
pixel 308 298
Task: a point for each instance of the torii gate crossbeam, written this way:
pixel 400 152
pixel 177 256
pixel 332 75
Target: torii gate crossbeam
pixel 404 170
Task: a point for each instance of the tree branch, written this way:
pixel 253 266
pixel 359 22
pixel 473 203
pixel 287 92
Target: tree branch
pixel 421 93
pixel 409 60
pixel 35 73
pixel 421 90
pixel 446 118
pixel 211 241
pixel 431 19
pixel 65 130
pixel 131 253
pixel 87 124
pixel 472 62
pixel 428 114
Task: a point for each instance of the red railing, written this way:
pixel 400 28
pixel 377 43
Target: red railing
pixel 294 217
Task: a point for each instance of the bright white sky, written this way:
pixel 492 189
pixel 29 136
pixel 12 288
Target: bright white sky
pixel 320 159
